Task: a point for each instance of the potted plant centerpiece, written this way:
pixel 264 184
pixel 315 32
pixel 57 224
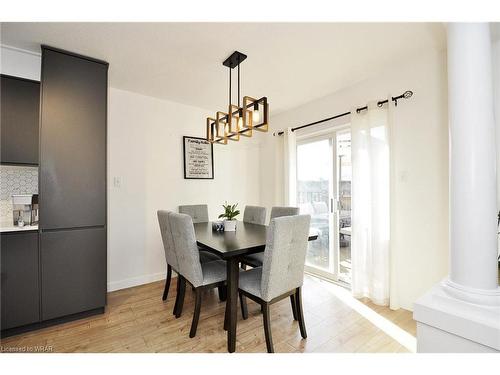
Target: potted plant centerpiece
pixel 229 215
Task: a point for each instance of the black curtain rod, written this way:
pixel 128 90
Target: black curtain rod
pixel 406 95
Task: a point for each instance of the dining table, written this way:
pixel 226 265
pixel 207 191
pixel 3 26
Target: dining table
pixel 232 246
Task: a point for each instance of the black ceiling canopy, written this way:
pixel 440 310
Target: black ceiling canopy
pixel 234 60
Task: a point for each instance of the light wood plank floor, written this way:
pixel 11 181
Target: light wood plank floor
pixel 137 320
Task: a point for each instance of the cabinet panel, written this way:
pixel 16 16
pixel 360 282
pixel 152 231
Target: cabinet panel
pixel 73 271
pixel 72 141
pixel 20 296
pixel 20 103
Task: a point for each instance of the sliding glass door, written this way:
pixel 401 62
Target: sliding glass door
pixel 324 192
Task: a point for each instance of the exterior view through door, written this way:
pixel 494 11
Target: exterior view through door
pixel 324 191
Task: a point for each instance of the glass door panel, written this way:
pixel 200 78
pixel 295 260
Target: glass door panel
pixel 314 197
pixel 324 174
pixel 344 177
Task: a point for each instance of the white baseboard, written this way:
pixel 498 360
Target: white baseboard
pixel 135 281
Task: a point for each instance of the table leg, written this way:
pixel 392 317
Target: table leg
pixel 232 302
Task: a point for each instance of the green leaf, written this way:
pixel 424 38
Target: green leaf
pixel 230 211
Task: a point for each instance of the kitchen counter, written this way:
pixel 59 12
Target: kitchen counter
pixel 10 227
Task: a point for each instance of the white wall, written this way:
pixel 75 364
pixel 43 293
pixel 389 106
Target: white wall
pixel 419 232
pixel 145 152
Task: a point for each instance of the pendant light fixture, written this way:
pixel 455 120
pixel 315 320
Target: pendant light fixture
pixel 240 119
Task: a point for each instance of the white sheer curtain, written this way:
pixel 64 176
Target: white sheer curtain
pixel 290 168
pixel 370 242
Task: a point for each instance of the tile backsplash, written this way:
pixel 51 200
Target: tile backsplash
pixel 15 180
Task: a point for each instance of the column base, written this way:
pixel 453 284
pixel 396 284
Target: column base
pixel 447 322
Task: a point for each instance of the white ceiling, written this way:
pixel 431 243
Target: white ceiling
pixel 290 63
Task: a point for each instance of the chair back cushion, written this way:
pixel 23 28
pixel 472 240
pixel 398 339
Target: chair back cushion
pixel 285 255
pixel 255 215
pixel 166 236
pixel 284 211
pixel 198 212
pixel 186 249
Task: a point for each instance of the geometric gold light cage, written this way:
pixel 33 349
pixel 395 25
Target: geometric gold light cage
pixel 258 110
pixel 239 120
pixel 215 133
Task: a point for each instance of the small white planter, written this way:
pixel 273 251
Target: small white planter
pixel 229 225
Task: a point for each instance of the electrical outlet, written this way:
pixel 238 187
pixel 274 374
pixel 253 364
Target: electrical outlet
pixel 117 182
pixel 403 176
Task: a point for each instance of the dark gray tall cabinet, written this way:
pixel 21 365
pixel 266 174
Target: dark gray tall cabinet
pixel 72 191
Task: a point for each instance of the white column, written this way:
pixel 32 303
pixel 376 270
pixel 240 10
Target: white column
pixel 473 210
pixel 462 314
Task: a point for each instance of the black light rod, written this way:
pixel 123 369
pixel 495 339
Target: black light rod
pixel 406 95
pixel 230 98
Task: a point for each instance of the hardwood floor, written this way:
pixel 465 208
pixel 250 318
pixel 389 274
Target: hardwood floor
pixel 137 320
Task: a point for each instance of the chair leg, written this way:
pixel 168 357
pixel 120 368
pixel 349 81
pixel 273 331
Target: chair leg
pixel 300 312
pixel 267 328
pixel 196 315
pixel 243 304
pixel 180 294
pixel 226 320
pixel 222 293
pixel 176 305
pixel 167 282
pixel 294 307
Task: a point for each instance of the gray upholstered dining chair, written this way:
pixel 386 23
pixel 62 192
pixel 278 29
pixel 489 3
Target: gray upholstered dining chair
pixel 171 258
pixel 278 211
pixel 199 214
pixel 168 246
pixel 282 272
pixel 200 275
pixel 255 215
pixel 189 268
pixel 255 260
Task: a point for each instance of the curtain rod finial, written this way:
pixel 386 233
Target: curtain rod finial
pixel 408 94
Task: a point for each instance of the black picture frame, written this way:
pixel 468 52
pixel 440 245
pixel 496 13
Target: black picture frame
pixel 184 139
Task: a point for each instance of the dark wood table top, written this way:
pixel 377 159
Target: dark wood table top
pixel 247 239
